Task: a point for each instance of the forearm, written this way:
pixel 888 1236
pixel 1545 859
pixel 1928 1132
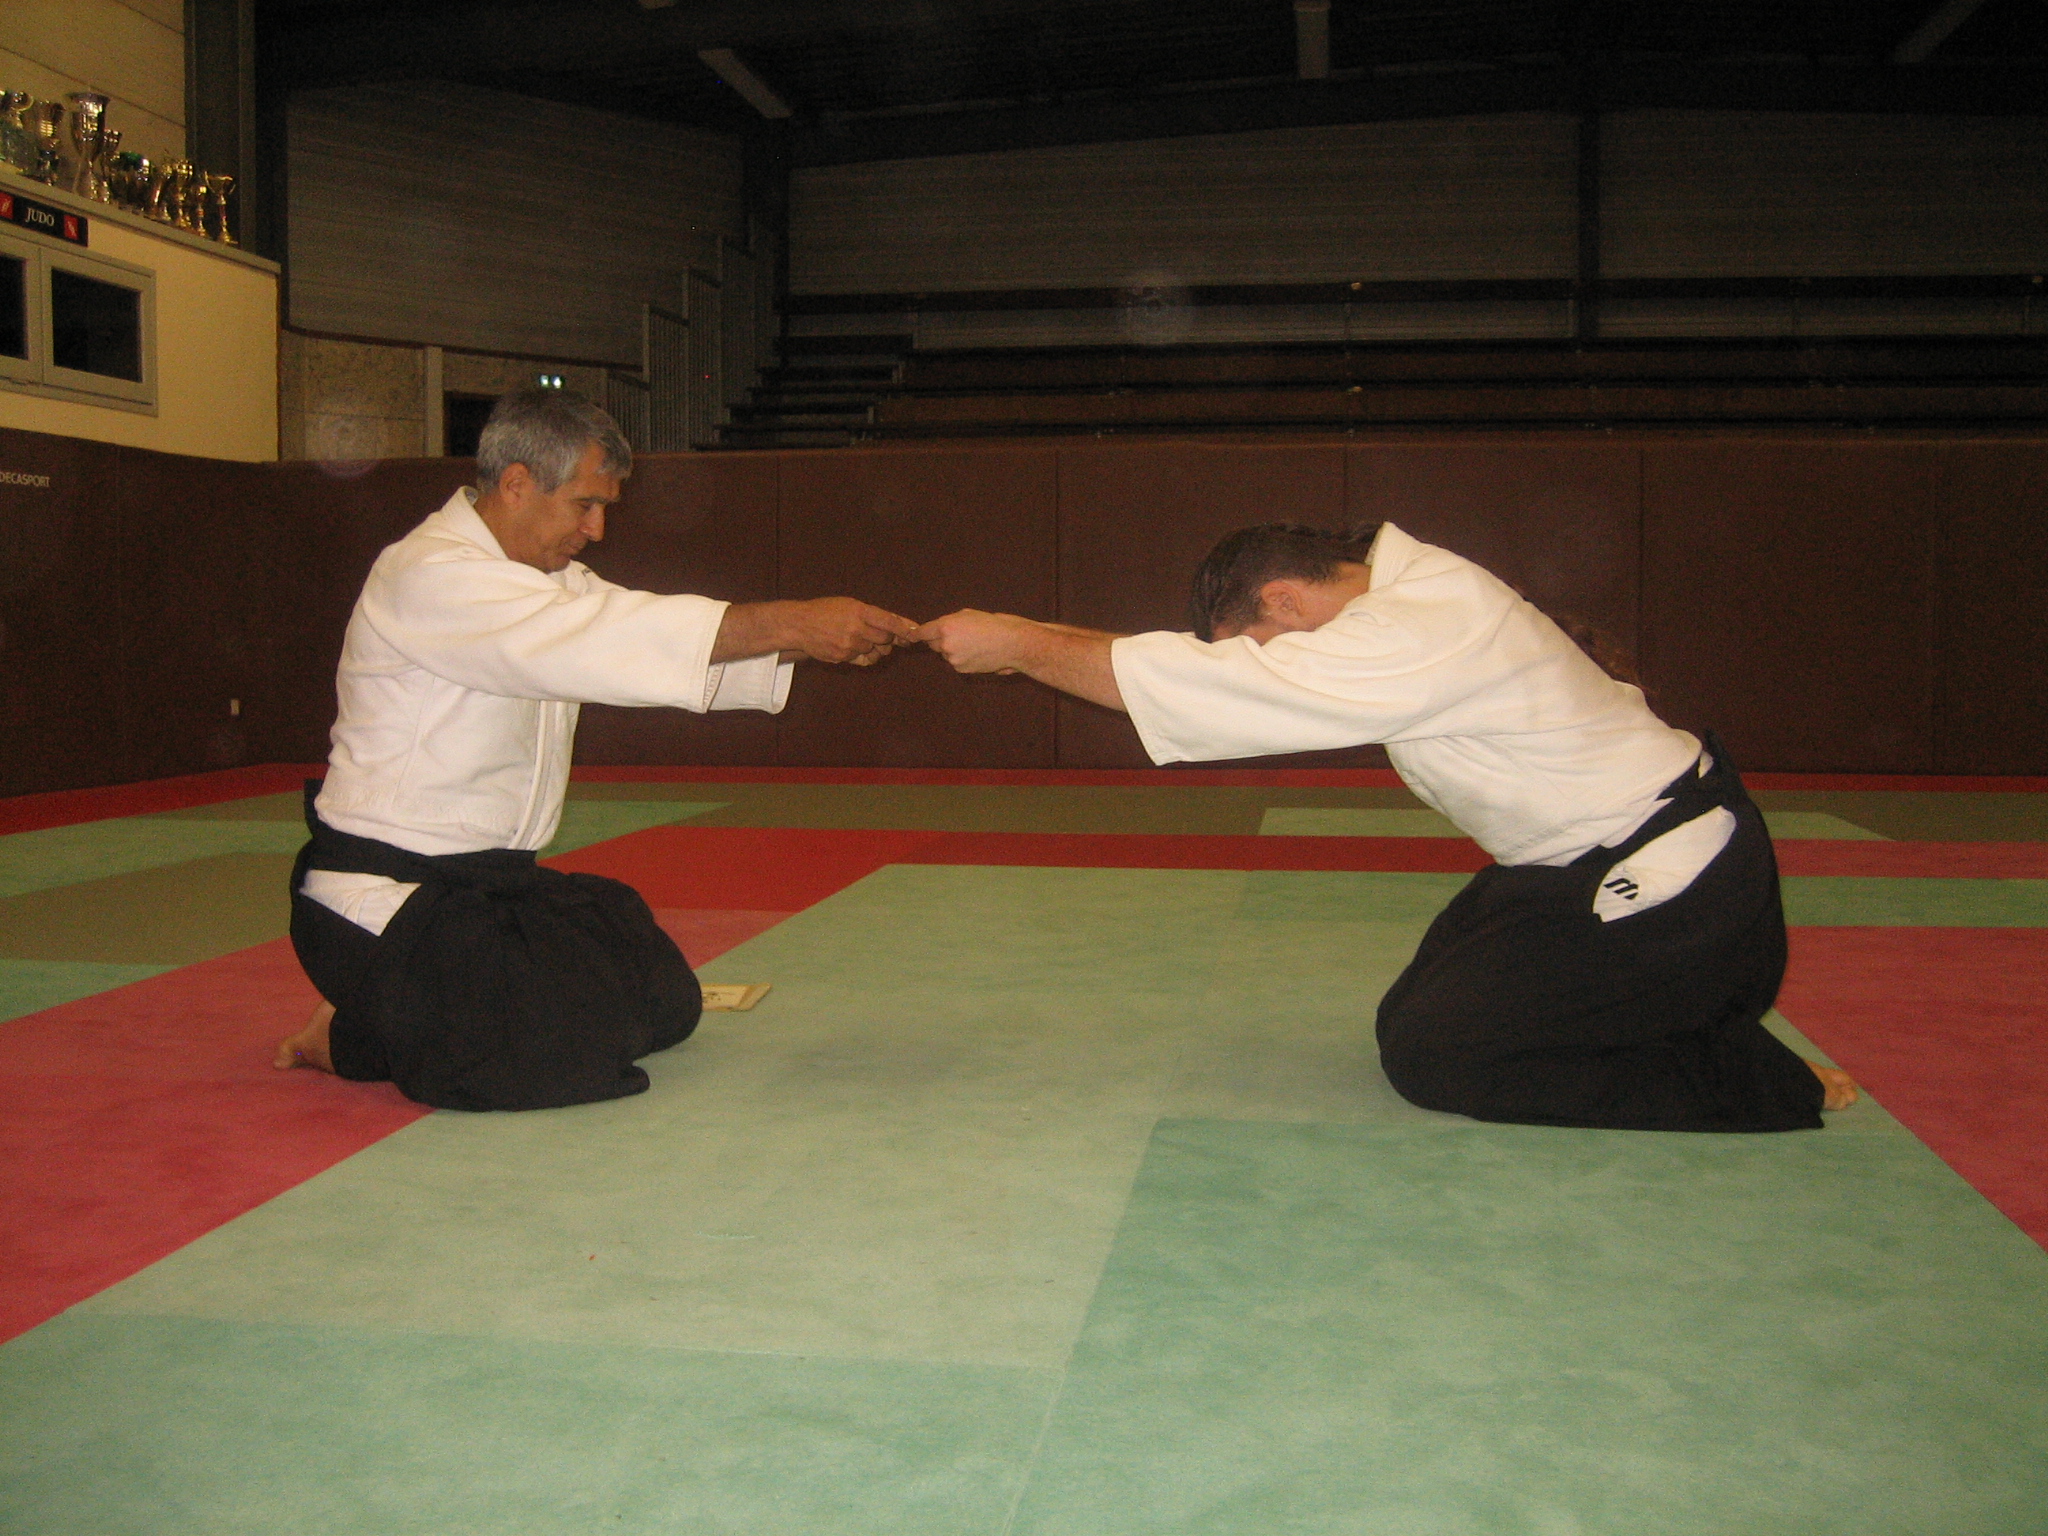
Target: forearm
pixel 1072 660
pixel 823 628
pixel 753 629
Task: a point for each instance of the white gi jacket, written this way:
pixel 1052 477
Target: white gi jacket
pixel 461 676
pixel 1490 713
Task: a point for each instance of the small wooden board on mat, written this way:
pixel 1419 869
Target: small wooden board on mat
pixel 733 996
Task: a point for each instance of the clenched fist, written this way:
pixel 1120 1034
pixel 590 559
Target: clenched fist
pixel 973 641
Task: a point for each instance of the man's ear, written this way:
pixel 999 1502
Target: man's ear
pixel 516 482
pixel 1279 600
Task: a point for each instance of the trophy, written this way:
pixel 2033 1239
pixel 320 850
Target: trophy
pixel 159 202
pixel 46 122
pixel 188 199
pixel 218 186
pixel 103 164
pixel 128 181
pixel 17 142
pixel 88 132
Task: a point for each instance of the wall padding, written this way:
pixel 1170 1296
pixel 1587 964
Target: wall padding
pixel 1991 526
pixel 702 523
pixel 1788 600
pixel 1827 604
pixel 920 532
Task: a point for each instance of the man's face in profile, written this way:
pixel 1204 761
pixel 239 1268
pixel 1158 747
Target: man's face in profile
pixel 548 529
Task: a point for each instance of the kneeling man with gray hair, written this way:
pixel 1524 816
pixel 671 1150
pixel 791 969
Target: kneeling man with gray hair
pixel 452 964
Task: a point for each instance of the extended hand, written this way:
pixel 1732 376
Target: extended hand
pixel 973 641
pixel 846 629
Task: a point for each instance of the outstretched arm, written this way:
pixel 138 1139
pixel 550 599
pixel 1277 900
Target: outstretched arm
pixel 823 628
pixel 1072 660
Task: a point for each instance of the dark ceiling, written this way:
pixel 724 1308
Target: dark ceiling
pixel 883 78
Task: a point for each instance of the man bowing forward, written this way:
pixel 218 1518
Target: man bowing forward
pixel 451 963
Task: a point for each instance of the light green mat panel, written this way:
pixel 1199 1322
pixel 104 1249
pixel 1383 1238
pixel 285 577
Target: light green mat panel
pixel 288 805
pixel 836 1264
pixel 29 986
pixel 169 914
pixel 596 821
pixel 1500 1331
pixel 1837 901
pixel 1332 821
pixel 917 1147
pixel 1920 815
pixel 37 861
pixel 169 1427
pixel 1817 824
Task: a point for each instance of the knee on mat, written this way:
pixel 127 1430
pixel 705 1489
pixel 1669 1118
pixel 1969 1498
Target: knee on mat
pixel 1427 1076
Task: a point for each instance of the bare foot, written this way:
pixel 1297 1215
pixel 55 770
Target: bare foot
pixel 308 1048
pixel 1841 1092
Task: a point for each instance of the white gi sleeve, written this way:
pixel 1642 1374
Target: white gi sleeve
pixel 500 627
pixel 753 682
pixel 1360 678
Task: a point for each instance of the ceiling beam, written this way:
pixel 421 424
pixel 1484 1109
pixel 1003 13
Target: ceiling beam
pixel 1973 90
pixel 400 40
pixel 735 72
pixel 1939 26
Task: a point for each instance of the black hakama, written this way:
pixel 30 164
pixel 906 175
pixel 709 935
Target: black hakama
pixel 1522 1006
pixel 500 984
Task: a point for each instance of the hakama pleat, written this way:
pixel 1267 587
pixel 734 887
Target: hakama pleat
pixel 1522 1006
pixel 500 984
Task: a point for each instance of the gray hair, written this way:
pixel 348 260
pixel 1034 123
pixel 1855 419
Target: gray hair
pixel 547 431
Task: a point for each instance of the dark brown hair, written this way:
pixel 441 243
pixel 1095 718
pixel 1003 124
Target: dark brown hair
pixel 1227 582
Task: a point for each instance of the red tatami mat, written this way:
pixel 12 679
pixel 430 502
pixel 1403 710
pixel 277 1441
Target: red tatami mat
pixel 68 807
pixel 143 1118
pixel 1948 1028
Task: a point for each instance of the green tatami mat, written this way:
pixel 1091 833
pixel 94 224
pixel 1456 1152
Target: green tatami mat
pixel 173 914
pixel 586 818
pixel 289 805
pixel 917 1147
pixel 1008 808
pixel 1339 822
pixel 37 861
pixel 1334 821
pixel 1509 1331
pixel 1790 824
pixel 1922 815
pixel 166 1427
pixel 1848 901
pixel 29 986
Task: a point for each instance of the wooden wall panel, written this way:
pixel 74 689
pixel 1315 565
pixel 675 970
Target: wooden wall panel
pixel 1454 198
pixel 1558 521
pixel 1136 519
pixel 701 523
pixel 922 532
pixel 1788 600
pixel 1991 517
pixel 1782 194
pixel 64 699
pixel 414 217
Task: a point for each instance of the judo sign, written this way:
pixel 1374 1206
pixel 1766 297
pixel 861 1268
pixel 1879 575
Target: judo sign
pixel 43 219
